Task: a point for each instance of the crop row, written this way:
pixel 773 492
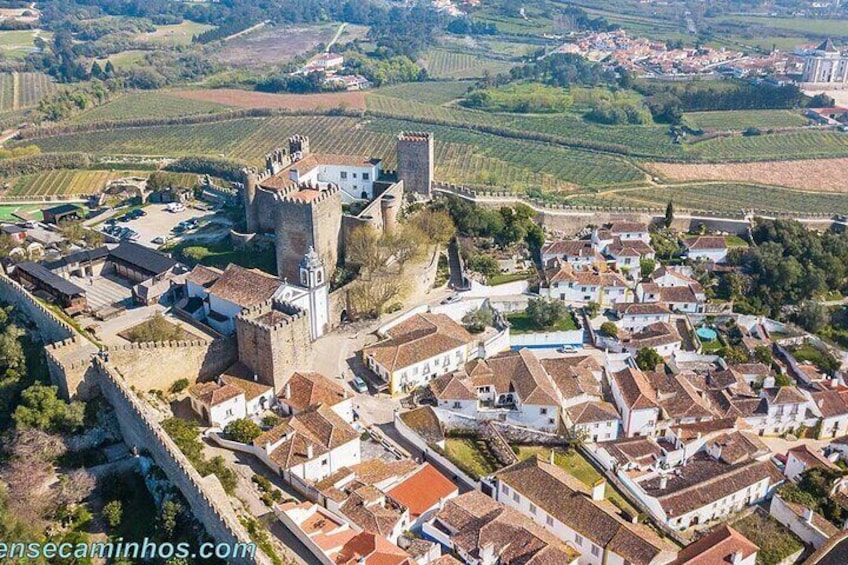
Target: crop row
pixel 807 144
pixel 63 181
pixel 452 64
pixel 148 105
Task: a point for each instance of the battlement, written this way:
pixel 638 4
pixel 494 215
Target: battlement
pixel 263 316
pixel 415 136
pixel 292 195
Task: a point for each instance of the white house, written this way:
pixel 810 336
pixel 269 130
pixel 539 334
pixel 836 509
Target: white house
pixel 576 514
pixel 659 336
pixel 580 287
pixel 628 255
pixel 808 525
pixel 722 545
pixel 306 388
pixel 802 458
pixel 419 349
pixel 623 231
pixel 598 421
pixel 634 316
pixel 636 402
pixel 831 407
pixel 309 446
pixel 354 175
pixel 230 398
pixel 786 410
pixel 579 253
pixel 706 247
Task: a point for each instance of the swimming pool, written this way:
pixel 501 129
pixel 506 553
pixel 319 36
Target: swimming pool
pixel 707 334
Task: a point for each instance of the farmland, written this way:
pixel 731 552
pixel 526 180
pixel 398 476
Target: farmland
pixel 148 105
pixel 64 181
pixel 441 63
pixel 23 90
pixel 808 144
pixel 17 44
pixel 179 34
pixel 436 93
pixel 819 175
pixel 739 120
pixel 248 99
pixel 803 26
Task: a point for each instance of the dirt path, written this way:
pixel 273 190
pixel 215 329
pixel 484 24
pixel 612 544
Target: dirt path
pixel 16 91
pixel 335 37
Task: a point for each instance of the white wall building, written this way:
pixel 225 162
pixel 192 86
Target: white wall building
pixel 354 175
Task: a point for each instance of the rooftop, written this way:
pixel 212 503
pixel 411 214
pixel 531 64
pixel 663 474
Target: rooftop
pixel 49 279
pixel 717 547
pixel 142 257
pixel 303 389
pixel 244 287
pixel 423 490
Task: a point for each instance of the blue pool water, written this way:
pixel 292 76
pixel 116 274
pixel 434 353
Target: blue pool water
pixel 707 334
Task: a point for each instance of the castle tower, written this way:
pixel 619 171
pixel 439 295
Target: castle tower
pixel 274 340
pixel 313 278
pixel 389 209
pixel 251 179
pixel 304 219
pixel 299 144
pixel 415 162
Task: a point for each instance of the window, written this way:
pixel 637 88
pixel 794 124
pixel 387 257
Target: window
pixel 596 425
pixel 578 539
pixel 543 411
pixel 505 489
pixel 532 509
pixel 457 404
pixel 354 175
pixel 596 550
pixel 343 174
pixel 324 462
pixel 550 521
pixel 366 176
pixel 515 497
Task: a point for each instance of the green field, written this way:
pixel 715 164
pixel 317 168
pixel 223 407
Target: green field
pixel 64 181
pixel 807 144
pixel 13 212
pixel 803 26
pixel 148 105
pixel 180 34
pixel 124 59
pixel 23 90
pixel 17 44
pixel 739 120
pixel 441 63
pixel 435 92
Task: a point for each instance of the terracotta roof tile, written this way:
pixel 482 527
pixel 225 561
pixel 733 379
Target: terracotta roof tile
pixel 423 490
pixel 716 548
pixel 213 394
pixel 635 389
pixel 304 389
pixel 705 242
pixel 245 287
pixel 421 337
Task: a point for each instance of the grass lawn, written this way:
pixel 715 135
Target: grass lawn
pixel 577 466
pixel 711 346
pixel 521 323
pixel 735 241
pixel 471 455
pixel 180 34
pixel 508 278
pixel 220 254
pixel 775 541
pixel 7 213
pixel 17 44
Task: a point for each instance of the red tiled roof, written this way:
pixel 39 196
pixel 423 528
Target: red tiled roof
pixel 423 490
pixel 716 548
pixel 417 339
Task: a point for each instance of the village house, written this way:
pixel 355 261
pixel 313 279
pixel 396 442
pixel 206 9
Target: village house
pixel 579 287
pixel 804 522
pixel 723 544
pixel 307 388
pixel 706 248
pixel 578 253
pixel 419 349
pixel 625 232
pixel 308 446
pixel 483 531
pixel 635 316
pixel 229 398
pixel 636 402
pixel 662 337
pixel 803 458
pixel 596 421
pixel 578 515
pixel 628 254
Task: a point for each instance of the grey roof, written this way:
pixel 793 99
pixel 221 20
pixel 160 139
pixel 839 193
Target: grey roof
pixel 142 257
pixel 62 209
pixel 49 279
pixel 81 256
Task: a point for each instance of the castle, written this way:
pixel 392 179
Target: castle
pixel 299 196
pixel 826 65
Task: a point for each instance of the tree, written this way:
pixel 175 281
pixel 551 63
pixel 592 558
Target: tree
pixel 762 353
pixel 7 243
pixel 646 267
pixel 405 246
pixel 41 408
pixel 157 181
pixel 364 249
pixel 592 308
pixel 369 298
pixel 73 230
pixel 436 225
pixel 484 264
pixel 478 320
pixel 169 515
pixel 647 359
pixel 812 316
pixel 545 313
pixel 113 512
pixel 610 329
pixel 242 430
pixel 669 214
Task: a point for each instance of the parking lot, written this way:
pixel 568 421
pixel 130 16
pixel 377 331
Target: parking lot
pixel 159 222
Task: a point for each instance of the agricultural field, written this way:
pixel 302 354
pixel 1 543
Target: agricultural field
pixel 157 104
pixel 124 59
pixel 739 120
pixel 815 175
pixel 17 44
pixel 14 212
pixel 808 144
pixel 63 181
pixel 444 64
pixel 434 92
pixel 179 34
pixel 23 90
pixel 807 27
pixel 722 197
pixel 250 99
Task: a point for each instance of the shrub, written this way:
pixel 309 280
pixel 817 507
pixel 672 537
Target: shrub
pixel 179 386
pixel 113 512
pixel 242 430
pixel 609 329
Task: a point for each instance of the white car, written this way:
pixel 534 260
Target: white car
pixel 175 207
pixel 453 298
pixel 566 349
pixel 159 240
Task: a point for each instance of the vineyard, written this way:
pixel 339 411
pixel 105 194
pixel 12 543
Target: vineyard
pixel 441 63
pixel 721 197
pixel 65 181
pixel 740 120
pixel 435 92
pixel 23 90
pixel 809 144
pixel 148 105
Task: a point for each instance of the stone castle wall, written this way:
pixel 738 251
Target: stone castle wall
pixel 205 495
pixel 265 205
pixel 415 162
pixel 273 352
pixel 192 360
pixel 299 225
pixel 50 327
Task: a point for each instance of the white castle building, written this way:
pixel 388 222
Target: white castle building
pixel 826 64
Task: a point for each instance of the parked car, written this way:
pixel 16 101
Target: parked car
pixel 452 299
pixel 359 385
pixel 159 240
pixel 567 349
pixel 175 207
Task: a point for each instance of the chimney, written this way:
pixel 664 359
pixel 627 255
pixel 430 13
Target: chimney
pixel 309 451
pixel 487 554
pixel 598 490
pixel 736 557
pixel 268 447
pixel 663 482
pixel 255 378
pixel 287 392
pixel 551 457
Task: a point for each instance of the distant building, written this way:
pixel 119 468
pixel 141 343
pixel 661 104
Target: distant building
pixel 826 64
pixel 62 213
pixel 37 278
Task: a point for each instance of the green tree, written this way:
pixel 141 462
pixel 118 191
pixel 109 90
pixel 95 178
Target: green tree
pixel 592 308
pixel 669 214
pixel 478 320
pixel 610 329
pixel 113 511
pixel 484 264
pixel 647 359
pixel 169 516
pixel 812 316
pixel 762 353
pixel 436 225
pixel 545 312
pixel 41 408
pixel 646 267
pixel 242 430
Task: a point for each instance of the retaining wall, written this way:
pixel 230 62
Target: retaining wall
pixel 50 326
